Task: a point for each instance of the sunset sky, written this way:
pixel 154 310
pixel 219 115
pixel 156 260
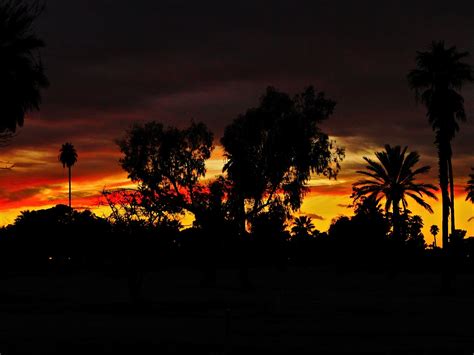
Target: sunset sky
pixel 112 63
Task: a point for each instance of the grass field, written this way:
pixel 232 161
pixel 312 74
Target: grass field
pixel 313 310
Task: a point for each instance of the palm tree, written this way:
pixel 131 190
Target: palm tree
pixel 303 227
pixel 439 75
pixel 393 178
pixel 21 69
pixel 68 157
pixel 434 230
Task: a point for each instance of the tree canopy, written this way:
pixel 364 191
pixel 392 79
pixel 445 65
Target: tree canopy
pixel 166 163
pixel 273 149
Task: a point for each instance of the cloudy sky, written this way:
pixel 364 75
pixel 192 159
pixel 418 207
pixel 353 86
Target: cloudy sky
pixel 115 62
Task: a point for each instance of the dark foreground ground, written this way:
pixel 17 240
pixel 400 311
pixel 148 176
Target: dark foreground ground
pixel 297 311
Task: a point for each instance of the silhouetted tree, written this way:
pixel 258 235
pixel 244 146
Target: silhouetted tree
pixel 437 80
pixel 273 149
pixel 64 234
pixel 214 227
pixel 21 71
pixel 412 232
pixel 270 235
pixel 308 245
pixel 68 157
pixel 393 178
pixel 458 248
pixel 138 208
pixel 434 230
pixel 363 237
pixel 303 227
pixel 470 188
pixel 167 163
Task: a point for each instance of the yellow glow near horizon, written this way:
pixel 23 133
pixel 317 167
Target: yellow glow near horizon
pixel 39 169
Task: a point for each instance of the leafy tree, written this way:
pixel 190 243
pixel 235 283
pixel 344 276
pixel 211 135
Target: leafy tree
pixel 166 163
pixel 60 232
pixel 212 210
pixel 137 209
pixel 439 76
pixel 412 232
pixel 362 237
pixel 214 228
pixel 393 178
pixel 270 236
pixel 21 71
pixel 68 157
pixel 273 149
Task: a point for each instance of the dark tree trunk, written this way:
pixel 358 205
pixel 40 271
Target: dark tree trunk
pixel 244 246
pixel 396 222
pixel 451 187
pixel 69 171
pixel 443 183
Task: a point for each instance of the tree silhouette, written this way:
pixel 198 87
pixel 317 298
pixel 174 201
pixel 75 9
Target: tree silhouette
pixel 470 188
pixel 270 235
pixel 41 233
pixel 434 230
pixel 363 237
pixel 412 232
pixel 303 227
pixel 273 149
pixel 437 80
pixel 393 178
pixel 68 157
pixel 21 70
pixel 167 163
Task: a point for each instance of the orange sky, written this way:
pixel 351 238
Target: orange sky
pixel 38 181
pixel 159 61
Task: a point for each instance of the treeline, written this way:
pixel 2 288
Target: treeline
pixel 246 216
pixel 61 238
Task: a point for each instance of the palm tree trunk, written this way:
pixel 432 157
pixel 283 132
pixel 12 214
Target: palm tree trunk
pixel 396 222
pixel 451 186
pixel 69 170
pixel 443 183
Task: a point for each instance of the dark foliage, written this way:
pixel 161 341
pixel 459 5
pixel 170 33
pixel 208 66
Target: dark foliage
pixel 363 238
pixel 437 80
pixel 273 149
pixel 21 71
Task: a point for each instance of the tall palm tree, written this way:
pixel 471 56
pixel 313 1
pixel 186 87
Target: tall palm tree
pixel 68 157
pixel 434 230
pixel 303 227
pixel 393 178
pixel 21 71
pixel 439 76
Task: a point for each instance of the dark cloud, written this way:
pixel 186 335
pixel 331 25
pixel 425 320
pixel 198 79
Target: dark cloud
pixel 105 57
pixel 114 62
pixel 23 194
pixel 343 205
pixel 313 216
